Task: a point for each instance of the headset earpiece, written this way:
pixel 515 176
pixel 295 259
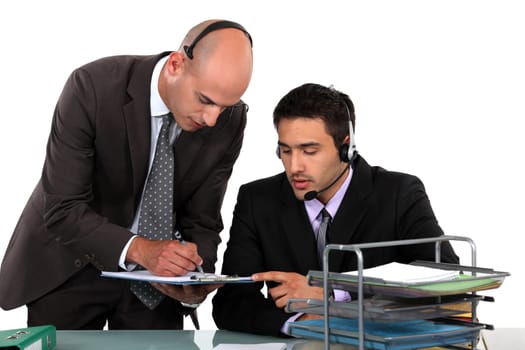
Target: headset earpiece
pixel 347 151
pixel 343 153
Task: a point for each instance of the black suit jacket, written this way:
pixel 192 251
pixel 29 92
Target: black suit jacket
pixel 271 231
pixel 94 173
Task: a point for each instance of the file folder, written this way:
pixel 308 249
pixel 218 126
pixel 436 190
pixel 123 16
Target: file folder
pixel 31 338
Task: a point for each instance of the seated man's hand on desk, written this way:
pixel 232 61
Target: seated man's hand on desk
pixel 164 257
pixel 291 285
pixel 188 294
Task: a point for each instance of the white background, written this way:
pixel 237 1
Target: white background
pixel 438 87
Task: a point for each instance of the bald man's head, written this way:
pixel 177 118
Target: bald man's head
pixel 198 88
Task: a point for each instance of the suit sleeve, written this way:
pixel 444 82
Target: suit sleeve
pixel 243 307
pixel 68 176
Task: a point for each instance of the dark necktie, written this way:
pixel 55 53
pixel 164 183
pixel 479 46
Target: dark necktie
pixel 156 213
pixel 321 233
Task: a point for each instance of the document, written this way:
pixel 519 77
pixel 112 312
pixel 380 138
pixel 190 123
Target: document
pixel 408 274
pixel 189 278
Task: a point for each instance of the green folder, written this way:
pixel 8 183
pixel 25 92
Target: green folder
pixel 469 279
pixel 31 338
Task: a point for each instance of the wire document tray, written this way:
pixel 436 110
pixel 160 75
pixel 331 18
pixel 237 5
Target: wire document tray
pixel 433 304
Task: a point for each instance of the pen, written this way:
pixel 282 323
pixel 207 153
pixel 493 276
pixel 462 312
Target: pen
pixel 178 236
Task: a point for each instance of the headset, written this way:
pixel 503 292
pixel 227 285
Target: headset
pixel 347 151
pixel 212 27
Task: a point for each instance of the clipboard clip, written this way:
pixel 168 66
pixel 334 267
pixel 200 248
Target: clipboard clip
pixel 209 277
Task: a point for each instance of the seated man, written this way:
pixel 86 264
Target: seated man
pixel 276 222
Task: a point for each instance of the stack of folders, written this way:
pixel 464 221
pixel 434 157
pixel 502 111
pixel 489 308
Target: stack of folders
pixel 407 306
pixel 31 338
pixel 404 335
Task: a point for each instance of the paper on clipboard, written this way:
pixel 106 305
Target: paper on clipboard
pixel 189 278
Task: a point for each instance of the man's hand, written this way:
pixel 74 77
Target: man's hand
pixel 189 294
pixel 292 285
pixel 164 257
pixel 305 317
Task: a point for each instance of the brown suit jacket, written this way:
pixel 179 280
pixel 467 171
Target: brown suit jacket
pixel 93 176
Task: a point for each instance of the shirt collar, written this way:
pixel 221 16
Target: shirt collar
pixel 157 106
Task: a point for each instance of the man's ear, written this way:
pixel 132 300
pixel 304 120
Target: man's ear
pixel 175 63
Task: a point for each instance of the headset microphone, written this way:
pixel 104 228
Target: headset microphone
pixel 308 196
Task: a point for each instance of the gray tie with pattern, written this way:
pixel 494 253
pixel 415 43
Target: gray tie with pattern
pixel 321 233
pixel 156 214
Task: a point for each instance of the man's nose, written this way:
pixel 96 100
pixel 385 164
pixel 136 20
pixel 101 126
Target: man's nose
pixel 296 162
pixel 211 114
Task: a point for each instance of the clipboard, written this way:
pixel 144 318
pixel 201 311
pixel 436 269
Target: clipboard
pixel 188 279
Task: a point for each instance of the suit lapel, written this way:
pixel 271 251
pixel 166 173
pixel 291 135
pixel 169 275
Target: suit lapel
pixel 351 211
pixel 137 115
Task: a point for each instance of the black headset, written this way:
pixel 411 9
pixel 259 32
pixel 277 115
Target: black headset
pixel 212 27
pixel 347 152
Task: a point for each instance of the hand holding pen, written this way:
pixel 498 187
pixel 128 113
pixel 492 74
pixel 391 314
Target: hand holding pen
pixel 164 257
pixel 178 236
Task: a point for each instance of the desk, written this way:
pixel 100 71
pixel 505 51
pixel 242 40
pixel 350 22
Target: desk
pixel 156 340
pixel 499 339
pixel 503 339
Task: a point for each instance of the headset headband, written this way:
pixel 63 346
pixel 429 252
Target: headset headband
pixel 212 27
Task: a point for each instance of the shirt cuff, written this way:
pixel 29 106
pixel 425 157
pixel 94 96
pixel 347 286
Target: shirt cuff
pixel 122 260
pixel 342 295
pixel 285 328
pixel 193 306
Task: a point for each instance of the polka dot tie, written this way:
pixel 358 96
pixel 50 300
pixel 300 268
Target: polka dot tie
pixel 156 213
pixel 321 233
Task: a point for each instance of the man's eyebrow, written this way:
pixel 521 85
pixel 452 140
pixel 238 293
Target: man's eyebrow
pixel 208 100
pixel 302 145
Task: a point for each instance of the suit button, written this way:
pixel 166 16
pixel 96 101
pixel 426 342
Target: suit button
pixel 90 256
pixel 98 266
pixel 78 263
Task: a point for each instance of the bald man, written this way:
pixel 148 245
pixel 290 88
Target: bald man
pixel 84 212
